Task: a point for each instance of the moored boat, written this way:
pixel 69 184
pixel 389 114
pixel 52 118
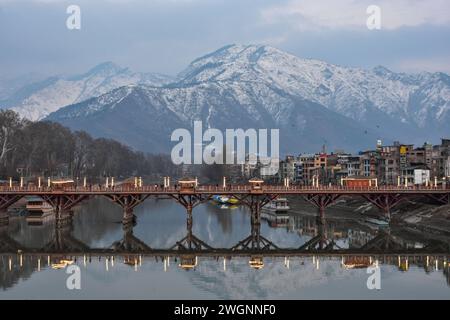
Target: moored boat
pixel 276 212
pixel 39 211
pixel 278 206
pixel 222 199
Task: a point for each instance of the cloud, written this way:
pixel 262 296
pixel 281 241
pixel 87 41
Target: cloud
pixel 349 14
pixel 166 35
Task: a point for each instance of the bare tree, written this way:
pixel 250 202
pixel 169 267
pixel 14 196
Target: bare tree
pixel 10 122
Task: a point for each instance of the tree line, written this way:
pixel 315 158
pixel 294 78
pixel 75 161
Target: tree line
pixel 48 149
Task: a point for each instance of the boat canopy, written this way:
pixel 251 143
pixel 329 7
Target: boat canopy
pixel 62 182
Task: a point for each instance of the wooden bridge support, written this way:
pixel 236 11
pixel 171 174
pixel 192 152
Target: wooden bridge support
pixel 190 241
pixel 255 202
pixel 322 201
pixel 255 212
pixel 385 202
pixel 190 201
pixel 382 242
pixel 6 200
pixel 321 242
pixel 443 199
pixel 129 242
pixel 128 203
pixel 255 241
pixel 62 205
pixel 64 241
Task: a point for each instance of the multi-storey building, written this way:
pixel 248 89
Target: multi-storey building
pixel 390 164
pixel 255 166
pixel 350 165
pixel 287 168
pixel 369 163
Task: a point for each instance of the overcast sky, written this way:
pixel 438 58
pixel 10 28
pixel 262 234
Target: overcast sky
pixel 165 35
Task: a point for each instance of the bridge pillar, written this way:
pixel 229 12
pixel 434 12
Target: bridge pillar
pixel 189 201
pixel 321 241
pixel 322 201
pixel 255 241
pixel 63 241
pixel 189 217
pixel 190 241
pixel 255 211
pixel 128 203
pixel 321 216
pixel 63 219
pixel 128 216
pixel 62 205
pixel 129 242
pixel 385 202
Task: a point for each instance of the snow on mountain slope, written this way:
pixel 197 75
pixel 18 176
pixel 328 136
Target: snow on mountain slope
pixel 311 102
pixel 352 92
pixel 47 97
pixel 144 117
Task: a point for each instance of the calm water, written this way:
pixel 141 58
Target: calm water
pixel 161 223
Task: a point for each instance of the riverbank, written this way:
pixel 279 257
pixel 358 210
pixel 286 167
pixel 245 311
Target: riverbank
pixel 415 214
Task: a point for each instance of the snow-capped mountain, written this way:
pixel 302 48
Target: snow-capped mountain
pixel 421 99
pixel 144 117
pixel 37 100
pixel 311 102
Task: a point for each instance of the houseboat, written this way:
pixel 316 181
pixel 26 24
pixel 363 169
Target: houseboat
pixel 276 212
pixel 39 211
pixel 61 263
pixel 278 206
pixel 256 262
pixel 356 262
pixel 188 262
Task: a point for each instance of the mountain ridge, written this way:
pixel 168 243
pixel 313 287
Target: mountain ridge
pixel 264 87
pixel 37 100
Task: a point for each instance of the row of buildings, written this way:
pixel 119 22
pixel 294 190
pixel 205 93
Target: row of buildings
pixel 392 164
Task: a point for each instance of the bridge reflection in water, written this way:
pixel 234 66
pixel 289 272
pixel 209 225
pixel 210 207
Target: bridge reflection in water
pixel 63 198
pixel 382 247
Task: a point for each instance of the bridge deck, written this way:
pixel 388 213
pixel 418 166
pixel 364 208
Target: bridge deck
pixel 230 190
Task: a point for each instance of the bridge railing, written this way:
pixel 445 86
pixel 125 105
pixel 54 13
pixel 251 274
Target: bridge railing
pixel 216 188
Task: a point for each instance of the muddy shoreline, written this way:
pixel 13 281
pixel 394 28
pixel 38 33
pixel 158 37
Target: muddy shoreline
pixel 416 215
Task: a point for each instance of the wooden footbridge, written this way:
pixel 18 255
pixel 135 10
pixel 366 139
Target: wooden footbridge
pixel 189 194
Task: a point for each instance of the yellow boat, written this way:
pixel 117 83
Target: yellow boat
pixel 256 262
pixel 222 199
pixel 61 264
